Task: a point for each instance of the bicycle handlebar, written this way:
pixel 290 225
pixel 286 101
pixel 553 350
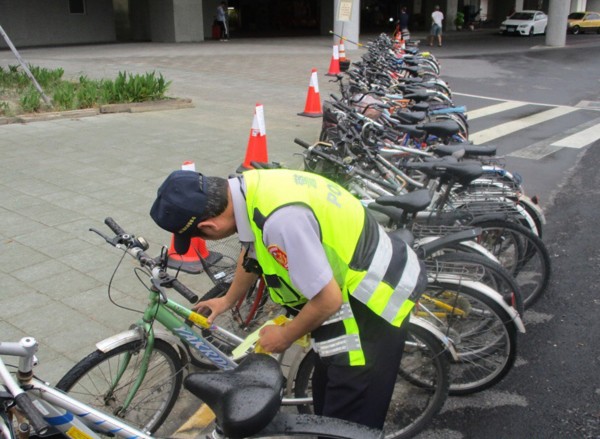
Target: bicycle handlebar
pixel 112 224
pixel 135 247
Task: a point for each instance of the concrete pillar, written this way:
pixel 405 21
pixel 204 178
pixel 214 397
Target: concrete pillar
pixel 556 32
pixel 349 29
pixel 518 5
pixel 176 21
pixel 450 15
pixel 578 5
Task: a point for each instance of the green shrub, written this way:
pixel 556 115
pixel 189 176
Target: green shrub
pixel 86 93
pixel 30 100
pixel 64 96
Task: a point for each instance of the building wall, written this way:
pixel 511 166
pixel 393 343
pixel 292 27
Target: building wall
pixel 48 22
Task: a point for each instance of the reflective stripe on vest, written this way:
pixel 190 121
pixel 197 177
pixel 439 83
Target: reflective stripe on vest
pixel 345 312
pixel 338 345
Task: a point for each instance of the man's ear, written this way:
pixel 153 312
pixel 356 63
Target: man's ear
pixel 207 225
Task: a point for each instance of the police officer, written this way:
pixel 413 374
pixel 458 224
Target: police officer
pixel 325 258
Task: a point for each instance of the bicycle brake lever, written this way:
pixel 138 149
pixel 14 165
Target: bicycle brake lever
pixel 112 241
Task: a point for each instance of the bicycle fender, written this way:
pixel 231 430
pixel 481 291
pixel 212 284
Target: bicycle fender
pixel 472 245
pixel 430 327
pixel 536 208
pixel 487 291
pixel 135 334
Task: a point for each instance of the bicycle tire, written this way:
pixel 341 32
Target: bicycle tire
pixel 484 337
pixel 495 276
pixel 420 391
pixel 89 381
pixel 522 253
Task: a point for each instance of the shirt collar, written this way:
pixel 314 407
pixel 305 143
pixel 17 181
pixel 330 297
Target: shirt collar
pixel 238 197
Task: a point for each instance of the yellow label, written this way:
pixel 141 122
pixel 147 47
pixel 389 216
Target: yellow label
pixel 75 433
pixel 199 319
pixel 250 341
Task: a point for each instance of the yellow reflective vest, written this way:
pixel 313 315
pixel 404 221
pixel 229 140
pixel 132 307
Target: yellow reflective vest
pixel 381 273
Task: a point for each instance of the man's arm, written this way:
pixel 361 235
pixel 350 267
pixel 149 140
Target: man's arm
pixel 242 281
pixel 313 314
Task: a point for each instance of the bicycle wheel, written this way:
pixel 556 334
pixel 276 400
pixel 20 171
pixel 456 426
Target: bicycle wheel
pixel 92 381
pixel 421 387
pixel 521 253
pixel 483 333
pixel 486 271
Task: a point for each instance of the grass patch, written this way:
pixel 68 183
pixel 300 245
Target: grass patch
pixel 18 95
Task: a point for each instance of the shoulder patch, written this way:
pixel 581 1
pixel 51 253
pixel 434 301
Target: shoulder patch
pixel 279 255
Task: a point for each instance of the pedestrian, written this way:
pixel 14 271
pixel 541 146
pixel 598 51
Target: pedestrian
pixel 437 18
pixel 222 21
pixel 323 256
pixel 403 22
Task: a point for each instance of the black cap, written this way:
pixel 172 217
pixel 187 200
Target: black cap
pixel 179 206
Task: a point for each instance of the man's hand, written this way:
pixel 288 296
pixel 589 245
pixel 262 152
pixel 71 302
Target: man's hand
pixel 212 308
pixel 273 339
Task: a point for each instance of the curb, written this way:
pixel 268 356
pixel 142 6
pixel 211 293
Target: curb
pixel 134 107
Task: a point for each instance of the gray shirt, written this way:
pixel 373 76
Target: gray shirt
pixel 294 230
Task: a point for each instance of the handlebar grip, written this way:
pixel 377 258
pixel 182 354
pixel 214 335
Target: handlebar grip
pixel 112 224
pixel 185 291
pixel 33 415
pixel 302 143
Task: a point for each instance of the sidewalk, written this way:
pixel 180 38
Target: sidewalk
pixel 60 177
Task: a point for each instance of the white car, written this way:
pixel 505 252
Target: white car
pixel 525 23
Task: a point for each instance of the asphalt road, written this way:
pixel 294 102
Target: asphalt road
pixel 554 389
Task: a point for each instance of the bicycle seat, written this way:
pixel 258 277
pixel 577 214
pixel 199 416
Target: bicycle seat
pixel 470 150
pixel 443 128
pixel 411 202
pixel 244 399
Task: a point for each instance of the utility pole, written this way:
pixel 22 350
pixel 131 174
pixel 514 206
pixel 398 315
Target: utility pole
pixel 47 100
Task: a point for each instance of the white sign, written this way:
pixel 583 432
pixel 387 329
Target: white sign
pixel 345 10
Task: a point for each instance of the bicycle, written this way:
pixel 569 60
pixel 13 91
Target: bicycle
pixel 146 364
pixel 32 408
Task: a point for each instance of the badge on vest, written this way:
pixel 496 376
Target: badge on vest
pixel 279 255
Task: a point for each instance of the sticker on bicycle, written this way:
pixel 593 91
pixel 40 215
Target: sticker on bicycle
pixel 279 255
pixel 75 433
pixel 199 320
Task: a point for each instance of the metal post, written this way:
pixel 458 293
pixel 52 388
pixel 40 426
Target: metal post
pixel 556 32
pixel 47 100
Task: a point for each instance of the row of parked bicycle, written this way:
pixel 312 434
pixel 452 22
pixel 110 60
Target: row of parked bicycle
pixel 394 139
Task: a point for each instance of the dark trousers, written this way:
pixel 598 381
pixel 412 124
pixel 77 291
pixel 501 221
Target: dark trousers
pixel 224 35
pixel 362 394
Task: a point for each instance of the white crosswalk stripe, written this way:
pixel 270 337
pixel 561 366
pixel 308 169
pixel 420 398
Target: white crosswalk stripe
pixel 580 139
pixel 504 129
pixel 493 109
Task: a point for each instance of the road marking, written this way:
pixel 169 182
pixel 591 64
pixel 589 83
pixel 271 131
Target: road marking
pixel 581 138
pixel 519 124
pixel 493 109
pixel 504 100
pixel 539 150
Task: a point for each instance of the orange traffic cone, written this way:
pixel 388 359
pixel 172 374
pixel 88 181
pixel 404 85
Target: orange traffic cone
pixel 190 262
pixel 313 99
pixel 334 65
pixel 257 143
pixel 342 51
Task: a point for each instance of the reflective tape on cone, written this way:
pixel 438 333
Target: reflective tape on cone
pixel 257 142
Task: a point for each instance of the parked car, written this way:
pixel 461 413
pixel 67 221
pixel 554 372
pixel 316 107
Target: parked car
pixel 580 22
pixel 525 23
